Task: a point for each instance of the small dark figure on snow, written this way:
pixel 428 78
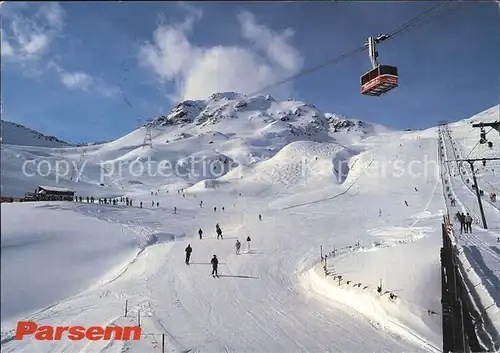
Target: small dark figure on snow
pixel 248 243
pixel 175 210
pixel 219 233
pixel 416 189
pixel 406 203
pixel 260 217
pixel 140 204
pixel 157 204
pixel 188 250
pixel 201 204
pixel 215 209
pixel 222 208
pixel 215 264
pixel 461 219
pixel 238 247
pixel 468 223
pixel 200 233
pixel 152 203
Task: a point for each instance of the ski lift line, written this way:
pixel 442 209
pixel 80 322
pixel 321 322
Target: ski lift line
pixel 407 27
pixel 477 143
pixel 414 23
pixel 312 69
pixel 437 16
pixel 413 20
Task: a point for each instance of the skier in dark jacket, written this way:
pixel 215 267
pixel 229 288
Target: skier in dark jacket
pixel 200 233
pixel 468 223
pixel 188 250
pixel 248 243
pixel 219 233
pixel 215 264
pixel 461 219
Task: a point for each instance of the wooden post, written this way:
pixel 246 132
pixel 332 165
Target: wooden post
pixel 126 307
pixel 163 343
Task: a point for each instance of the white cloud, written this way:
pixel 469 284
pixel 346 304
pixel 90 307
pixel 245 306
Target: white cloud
pixel 76 80
pixel 81 81
pixel 197 72
pixel 29 38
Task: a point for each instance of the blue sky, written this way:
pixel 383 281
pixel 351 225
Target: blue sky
pixel 87 71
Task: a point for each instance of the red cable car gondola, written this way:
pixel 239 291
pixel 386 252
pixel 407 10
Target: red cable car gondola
pixel 381 78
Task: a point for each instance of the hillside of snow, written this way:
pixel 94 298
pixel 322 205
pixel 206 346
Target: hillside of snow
pixel 194 135
pixel 297 181
pixel 17 134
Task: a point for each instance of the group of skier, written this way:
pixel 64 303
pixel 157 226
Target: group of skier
pixel 105 200
pixel 465 222
pixel 215 262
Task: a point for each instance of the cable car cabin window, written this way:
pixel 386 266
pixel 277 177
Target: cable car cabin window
pixel 370 75
pixel 388 70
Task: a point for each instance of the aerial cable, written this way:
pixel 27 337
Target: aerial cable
pixel 437 16
pixel 408 26
pixel 312 69
pixel 413 20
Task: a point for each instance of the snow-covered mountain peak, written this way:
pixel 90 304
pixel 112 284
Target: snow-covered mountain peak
pixel 297 117
pixel 17 134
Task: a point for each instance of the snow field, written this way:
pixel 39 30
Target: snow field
pixel 274 298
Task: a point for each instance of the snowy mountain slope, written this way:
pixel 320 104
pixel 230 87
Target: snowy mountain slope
pixel 267 280
pixel 17 134
pixel 312 190
pixel 225 127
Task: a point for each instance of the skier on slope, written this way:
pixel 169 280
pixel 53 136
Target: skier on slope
pixel 468 223
pixel 215 264
pixel 260 217
pixel 219 233
pixel 200 233
pixel 461 219
pixel 238 246
pixel 248 243
pixel 175 210
pixel 188 250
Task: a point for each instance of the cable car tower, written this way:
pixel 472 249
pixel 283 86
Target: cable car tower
pixel 381 78
pixel 150 126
